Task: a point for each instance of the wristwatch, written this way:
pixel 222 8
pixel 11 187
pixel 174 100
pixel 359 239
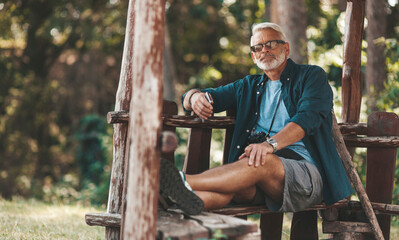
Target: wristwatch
pixel 273 143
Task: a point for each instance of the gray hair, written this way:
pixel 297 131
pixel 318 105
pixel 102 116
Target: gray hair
pixel 268 25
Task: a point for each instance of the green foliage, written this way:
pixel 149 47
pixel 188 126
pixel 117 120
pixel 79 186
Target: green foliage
pixel 60 62
pixel 390 95
pixel 90 151
pixel 211 35
pixel 315 13
pixel 94 157
pixel 45 48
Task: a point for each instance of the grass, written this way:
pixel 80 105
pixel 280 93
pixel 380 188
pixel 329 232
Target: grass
pixel 32 219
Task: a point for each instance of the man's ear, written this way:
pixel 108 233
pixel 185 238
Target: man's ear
pixel 287 49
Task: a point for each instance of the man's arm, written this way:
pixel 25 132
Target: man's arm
pixel 195 101
pixel 256 153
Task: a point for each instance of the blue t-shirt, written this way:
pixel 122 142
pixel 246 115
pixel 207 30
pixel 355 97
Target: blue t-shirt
pixel 269 102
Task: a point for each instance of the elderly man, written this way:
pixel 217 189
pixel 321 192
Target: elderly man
pixel 282 151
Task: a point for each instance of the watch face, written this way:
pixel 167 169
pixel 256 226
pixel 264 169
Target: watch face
pixel 273 142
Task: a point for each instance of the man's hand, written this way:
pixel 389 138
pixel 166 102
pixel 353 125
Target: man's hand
pixel 201 106
pixel 256 153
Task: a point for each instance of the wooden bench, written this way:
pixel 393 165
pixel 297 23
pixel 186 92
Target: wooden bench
pixel 379 136
pixel 173 224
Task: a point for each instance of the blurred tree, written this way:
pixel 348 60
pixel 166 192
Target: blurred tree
pixel 43 94
pixel 60 61
pixel 210 38
pixel 375 33
pixel 291 16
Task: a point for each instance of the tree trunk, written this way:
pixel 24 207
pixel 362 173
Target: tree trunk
pixel 169 70
pixel 291 16
pixel 351 71
pixel 375 68
pixel 145 121
pixel 120 151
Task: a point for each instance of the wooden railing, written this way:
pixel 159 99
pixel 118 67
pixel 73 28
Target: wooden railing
pixel 380 136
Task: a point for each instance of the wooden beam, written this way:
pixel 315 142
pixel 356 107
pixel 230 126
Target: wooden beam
pixel 351 73
pixel 122 103
pixel 381 141
pixel 198 152
pixel 381 163
pixel 145 122
pixel 112 220
pixel 355 179
pixel 219 122
pixel 304 225
pixel 178 120
pixel 353 128
pixel 173 224
pixel 339 227
pixel 118 117
pixel 195 122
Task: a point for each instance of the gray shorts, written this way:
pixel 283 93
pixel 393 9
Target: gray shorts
pixel 302 188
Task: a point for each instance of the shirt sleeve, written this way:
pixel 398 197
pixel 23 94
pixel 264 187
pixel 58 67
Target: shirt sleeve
pixel 315 102
pixel 224 97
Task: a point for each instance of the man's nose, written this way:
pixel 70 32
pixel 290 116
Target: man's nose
pixel 265 49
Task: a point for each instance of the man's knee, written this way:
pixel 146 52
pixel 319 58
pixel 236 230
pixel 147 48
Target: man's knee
pixel 271 162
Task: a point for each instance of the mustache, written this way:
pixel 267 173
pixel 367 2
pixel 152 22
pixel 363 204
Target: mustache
pixel 267 55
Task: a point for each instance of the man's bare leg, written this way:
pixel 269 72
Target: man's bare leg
pixel 215 200
pixel 235 178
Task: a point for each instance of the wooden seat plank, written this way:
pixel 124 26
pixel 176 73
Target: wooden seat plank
pixel 173 224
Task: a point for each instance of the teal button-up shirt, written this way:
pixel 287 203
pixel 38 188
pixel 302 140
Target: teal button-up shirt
pixel 308 99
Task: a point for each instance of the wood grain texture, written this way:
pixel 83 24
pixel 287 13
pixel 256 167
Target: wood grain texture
pixel 351 73
pixel 145 121
pixel 122 103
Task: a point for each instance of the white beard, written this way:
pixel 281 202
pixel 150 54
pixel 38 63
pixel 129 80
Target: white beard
pixel 268 65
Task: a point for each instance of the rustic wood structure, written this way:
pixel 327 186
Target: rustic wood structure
pixel 385 125
pixel 137 122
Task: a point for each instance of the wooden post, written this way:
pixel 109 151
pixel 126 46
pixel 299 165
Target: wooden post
pixel 123 96
pixel 197 157
pixel 381 164
pixel 145 121
pixel 304 225
pixel 271 225
pixel 351 73
pixel 169 108
pixel 355 179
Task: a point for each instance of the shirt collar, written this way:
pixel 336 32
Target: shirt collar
pixel 285 76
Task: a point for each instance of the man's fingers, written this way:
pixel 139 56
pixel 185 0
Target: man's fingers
pixel 202 107
pixel 263 161
pixel 252 158
pixel 242 156
pixel 258 158
pixel 201 112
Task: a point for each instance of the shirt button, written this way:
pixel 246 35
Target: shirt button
pixel 288 79
pixel 238 146
pixel 247 130
pixel 256 113
pixel 257 92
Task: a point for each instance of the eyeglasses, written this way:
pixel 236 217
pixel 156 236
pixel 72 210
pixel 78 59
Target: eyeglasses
pixel 272 44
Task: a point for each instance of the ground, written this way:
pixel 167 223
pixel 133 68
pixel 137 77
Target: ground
pixel 33 219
